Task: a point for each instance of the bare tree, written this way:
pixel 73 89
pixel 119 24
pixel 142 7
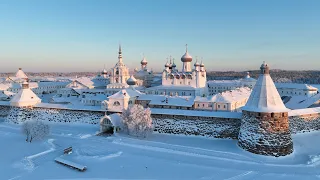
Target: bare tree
pixel 137 121
pixel 35 129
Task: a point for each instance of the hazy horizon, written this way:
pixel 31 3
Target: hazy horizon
pixel 83 36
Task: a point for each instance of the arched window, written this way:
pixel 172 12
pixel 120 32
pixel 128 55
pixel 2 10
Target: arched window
pixel 130 102
pixel 116 103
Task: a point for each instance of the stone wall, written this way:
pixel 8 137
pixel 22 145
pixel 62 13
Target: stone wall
pixel 265 133
pixel 203 126
pixel 4 111
pixel 18 115
pixel 302 124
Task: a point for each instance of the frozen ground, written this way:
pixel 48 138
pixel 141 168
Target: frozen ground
pixel 158 157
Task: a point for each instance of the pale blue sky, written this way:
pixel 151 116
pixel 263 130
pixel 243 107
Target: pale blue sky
pixel 83 35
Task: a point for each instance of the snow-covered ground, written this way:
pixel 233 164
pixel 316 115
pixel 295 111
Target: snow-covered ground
pixel 158 157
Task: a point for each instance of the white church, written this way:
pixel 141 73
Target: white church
pixel 187 82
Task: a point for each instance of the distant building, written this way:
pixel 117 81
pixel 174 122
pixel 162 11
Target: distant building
pixel 123 98
pixel 219 86
pixel 144 76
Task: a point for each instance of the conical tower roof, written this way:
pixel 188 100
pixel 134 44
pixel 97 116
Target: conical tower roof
pixel 20 74
pixel 264 96
pixel 25 97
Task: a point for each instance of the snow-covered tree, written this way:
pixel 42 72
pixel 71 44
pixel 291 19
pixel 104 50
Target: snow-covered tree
pixel 35 129
pixel 137 121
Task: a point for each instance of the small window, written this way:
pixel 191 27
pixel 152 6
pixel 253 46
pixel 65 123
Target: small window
pixel 116 103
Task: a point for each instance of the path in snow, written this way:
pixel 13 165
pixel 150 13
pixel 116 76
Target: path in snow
pixel 224 159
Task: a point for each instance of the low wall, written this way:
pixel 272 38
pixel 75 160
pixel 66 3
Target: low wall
pixel 220 125
pixel 301 124
pixel 209 127
pixel 18 115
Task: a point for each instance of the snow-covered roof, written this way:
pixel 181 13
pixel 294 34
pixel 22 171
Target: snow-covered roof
pixel 295 86
pixel 96 97
pixel 171 87
pixel 171 100
pixel 25 97
pixel 235 115
pixel 70 107
pixel 265 96
pixel 117 86
pixel 227 96
pixel 64 100
pixel 5 85
pixel 299 112
pixel 115 119
pixel 300 102
pixel 85 81
pixel 126 93
pixel 232 83
pixel 20 74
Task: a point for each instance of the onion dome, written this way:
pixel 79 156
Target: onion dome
pixel 167 64
pixel 104 72
pixel 144 61
pixel 173 64
pixel 186 57
pixel 201 65
pixel 131 81
pixel 264 68
pixel 197 63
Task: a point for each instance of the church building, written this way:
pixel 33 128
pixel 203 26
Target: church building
pixel 187 82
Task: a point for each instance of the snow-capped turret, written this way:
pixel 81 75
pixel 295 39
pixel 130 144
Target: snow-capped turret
pixel 25 97
pixel 265 126
pixel 265 96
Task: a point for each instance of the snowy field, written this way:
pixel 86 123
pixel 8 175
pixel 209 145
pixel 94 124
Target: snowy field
pixel 158 157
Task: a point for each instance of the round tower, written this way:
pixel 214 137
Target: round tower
pixel 264 125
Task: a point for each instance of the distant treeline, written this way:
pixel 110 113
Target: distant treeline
pixel 308 77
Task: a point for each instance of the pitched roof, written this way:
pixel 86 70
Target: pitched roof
pixel 25 97
pixel 21 74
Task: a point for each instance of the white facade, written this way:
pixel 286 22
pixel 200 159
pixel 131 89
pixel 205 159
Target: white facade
pixel 187 81
pixel 219 86
pixel 292 89
pixel 226 101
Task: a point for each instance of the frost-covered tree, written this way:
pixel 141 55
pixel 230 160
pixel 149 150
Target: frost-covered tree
pixel 137 121
pixel 35 129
